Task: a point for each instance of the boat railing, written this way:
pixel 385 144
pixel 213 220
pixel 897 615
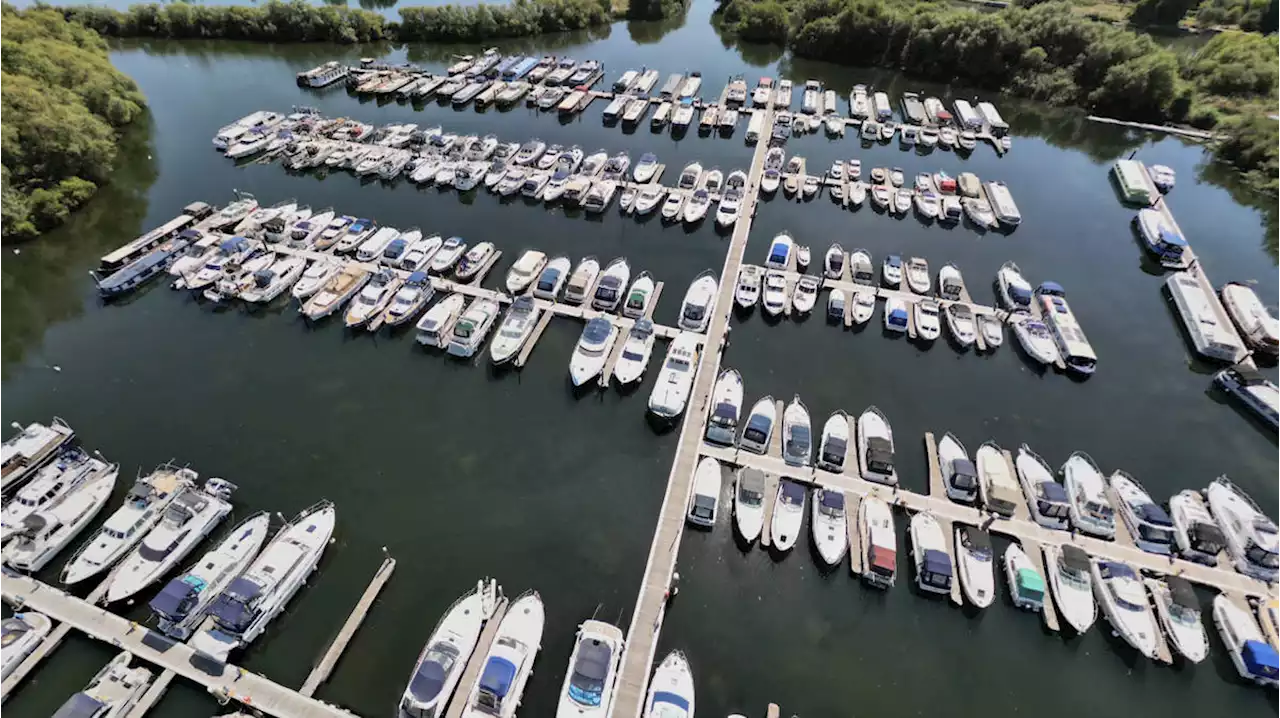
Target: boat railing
pixel 1227 483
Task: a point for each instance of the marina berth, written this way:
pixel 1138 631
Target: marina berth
pixel 1255 659
pixel 242 611
pixel 1071 578
pixel 1050 506
pixel 834 445
pixel 1256 324
pixel 1026 585
pixel 875 448
pixel 433 328
pixel 112 693
pixel 1124 603
pixel 797 434
pixel 726 408
pixel 830 525
pixel 509 662
pixel 671 689
pixel 612 286
pixel 44 533
pixel 760 425
pixel 62 476
pixel 1178 611
pixel 997 487
pixel 675 380
pixel 959 474
pixel 1148 523
pixel 1257 393
pixel 180 606
pixel 788 514
pixel 22 633
pixel 514 332
pixel 1162 240
pixel 593 667
pixel 143 245
pixel 1090 510
pixel 636 351
pixel 695 310
pixel 472 328
pixel 1251 534
pixel 1073 347
pixel 1196 534
pixel 975 559
pixel 748 503
pixel 592 350
pixel 444 657
pixel 1134 184
pixel 1002 204
pixel 879 541
pixel 929 553
pixel 704 500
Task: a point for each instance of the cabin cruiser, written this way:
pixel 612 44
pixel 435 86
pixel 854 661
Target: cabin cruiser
pixel 881 196
pixel 690 178
pixel 830 525
pixel 372 298
pixel 1070 576
pixel 22 633
pixel 1124 602
pixel 143 508
pixel 834 445
pixel 1196 534
pixel 1148 524
pixel 589 682
pixel 432 328
pixel 616 167
pixel 593 163
pixel 474 260
pixel 726 408
pixel 417 255
pixel 760 426
pixel 1025 582
pixel 805 294
pixel 307 233
pixel 552 278
pixel 471 329
pixel 230 253
pixel 45 532
pixel 673 207
pixel 525 270
pixel 959 475
pixel 181 605
pixel 961 323
pixel 1162 239
pixel 992 330
pixel 406 302
pixel 112 693
pixel 671 690
pixel 613 283
pixel 895 314
pixel 645 168
pixel 979 212
pixel 509 662
pixel 448 255
pixel 636 351
pixel 836 305
pixel 748 503
pixel 775 293
pixel 891 271
pixel 1048 500
pixel 675 380
pixel 696 206
pixel 514 330
pixel 532 185
pixel 582 282
pixel 975 560
pixel 788 514
pixel 780 251
pixel 599 197
pixel 1035 338
pixel 638 297
pixel 444 657
pixel 373 248
pixel 996 484
pixel 833 263
pixel 1090 510
pixel 875 448
pixel 864 305
pixel 69 470
pixel 879 540
pixel 314 277
pixel 592 350
pixel 929 550
pixel 1253 657
pixel 695 311
pixel 1250 534
pixel 1256 324
pixel 928 321
pixel 1015 291
pixel 185 522
pixel 1178 612
pixel 649 197
pixel 704 498
pixel 797 434
pixel 918 275
pixel 242 611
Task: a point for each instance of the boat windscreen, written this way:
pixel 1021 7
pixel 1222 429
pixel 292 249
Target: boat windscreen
pixel 725 410
pixel 596 330
pixel 964 474
pixel 752 480
pixel 1075 559
pixel 1112 569
pixel 589 672
pixel 1207 537
pixel 1020 295
pixel 836 448
pixel 1053 492
pixel 1182 594
pixel 1153 514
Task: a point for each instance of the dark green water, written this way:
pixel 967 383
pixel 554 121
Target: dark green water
pixel 462 473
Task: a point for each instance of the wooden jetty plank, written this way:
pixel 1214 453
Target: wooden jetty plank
pixel 51 642
pixel 484 271
pixel 614 354
pixel 775 439
pixel 770 502
pixel 1035 552
pixel 911 318
pixel 852 504
pixel 532 341
pixel 848 316
pixel 936 486
pixel 1020 510
pixel 1123 537
pixel 153 695
pixel 653 300
pixel 330 659
pixel 471 674
pixel 949 533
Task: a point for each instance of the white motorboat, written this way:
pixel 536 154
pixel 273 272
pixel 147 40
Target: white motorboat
pixel 1197 535
pixel 1250 534
pixel 928 321
pixel 1026 585
pixel 959 474
pixel 901 201
pixel 444 657
pixel 805 295
pixel 857 194
pixel 1256 324
pixel 143 508
pixel 950 209
pixel 726 408
pixel 704 498
pixel 242 611
pixel 636 351
pixel 181 605
pixel 649 197
pixel 770 180
pixel 66 473
pixel 696 206
pixel 264 285
pixel 43 533
pixel 600 196
pixel 593 668
pixel 960 322
pixel 1035 339
pixel 760 426
pixel 1178 612
pixel 639 297
pixel 1046 497
pixel 22 633
pixel 1148 523
pixel 185 522
pixel 534 185
pixel 474 260
pixel 433 328
pixel 357 232
pixel 592 350
pixel 583 281
pixel 372 298
pixel 515 329
pixel 864 305
pixel 1015 291
pixel 472 328
pixel 917 275
pixel 306 232
pixel 975 560
pixel 802 257
pixel 881 196
pixel 451 250
pixel 979 212
pixel 695 310
pixel 675 380
pixel 891 271
pixel 748 503
pixel 372 249
pixel 780 251
pixel 230 254
pixel 833 263
pixel 333 293
pixel 834 445
pixel 612 285
pixel 860 268
pixel 797 434
pixel 671 689
pixel 1124 602
pixel 879 540
pixel 875 448
pixel 929 551
pixel 992 330
pixel 112 693
pixel 530 151
pixel 594 162
pixel 627 200
pixel 1071 577
pixel 645 168
pixel 788 514
pixel 830 526
pixel 775 292
pixel 997 487
pixel 552 278
pixel 1253 657
pixel 509 662
pixel 525 270
pixel 406 302
pixel 836 306
pixel 1089 508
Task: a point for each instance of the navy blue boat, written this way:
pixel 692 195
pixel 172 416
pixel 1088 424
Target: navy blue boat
pixel 138 272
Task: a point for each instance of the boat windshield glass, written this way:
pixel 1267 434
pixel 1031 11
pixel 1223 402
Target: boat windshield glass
pixel 1262 556
pixel 749 497
pixel 589 673
pixel 1124 603
pixel 432 671
pixel 798 440
pixel 1155 534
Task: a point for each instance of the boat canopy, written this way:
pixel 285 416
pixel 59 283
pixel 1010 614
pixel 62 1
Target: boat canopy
pixel 792 492
pixel 937 562
pixel 421 278
pixel 884 560
pixel 752 480
pixel 233 244
pixel 596 330
pixel 1074 558
pixel 589 672
pixel 879 454
pixel 778 252
pixel 1114 569
pixel 432 672
pixel 725 410
pixel 1182 594
pixel 193 234
pixel 81 705
pixel 1260 658
pixel 833 500
pixel 642 328
pixel 1170 238
pixel 835 450
pixel 175 599
pixel 1207 537
pixel 522 303
pixel 499 673
pixel 1030 583
pixel 1052 491
pixel 964 475
pixel 231 609
pixel 975 539
pixel 1152 514
pixel 1052 288
pixel 1019 294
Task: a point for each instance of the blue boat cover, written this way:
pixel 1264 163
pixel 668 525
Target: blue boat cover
pixel 175 599
pixel 1052 288
pixel 671 698
pixel 397 245
pixel 833 499
pixel 724 410
pixel 757 421
pixel 418 278
pixel 80 705
pixel 191 234
pixel 793 492
pixel 1260 658
pixel 428 681
pixel 648 157
pixel 498 676
pixel 596 330
pixel 893 260
pixel 1020 295
pixel 1153 514
pixel 1114 569
pixel 1170 237
pixel 898 316
pixel 937 562
pixel 1053 491
pixel 234 244
pixel 232 608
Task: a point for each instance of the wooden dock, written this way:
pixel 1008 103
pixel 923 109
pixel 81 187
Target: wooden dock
pixel 476 664
pixel 770 503
pixel 321 672
pixel 852 505
pixel 949 534
pixel 606 373
pixel 543 320
pixel 937 487
pixel 51 642
pixel 154 693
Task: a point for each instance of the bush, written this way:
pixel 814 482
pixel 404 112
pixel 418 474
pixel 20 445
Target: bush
pixel 485 22
pixel 295 21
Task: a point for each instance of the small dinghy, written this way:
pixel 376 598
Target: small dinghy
pixel 830 526
pixel 788 514
pixel 748 503
pixel 1026 585
pixel 726 403
pixel 797 434
pixel 636 350
pixel 760 426
pixel 704 500
pixel 835 443
pixel 875 448
pixel 975 559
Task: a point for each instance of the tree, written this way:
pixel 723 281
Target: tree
pixel 1161 12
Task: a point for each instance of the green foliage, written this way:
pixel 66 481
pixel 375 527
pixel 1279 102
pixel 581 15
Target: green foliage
pixel 1248 14
pixel 655 9
pixel 485 22
pixel 62 105
pixel 1161 12
pixel 1236 65
pixel 295 21
pixel 1252 143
